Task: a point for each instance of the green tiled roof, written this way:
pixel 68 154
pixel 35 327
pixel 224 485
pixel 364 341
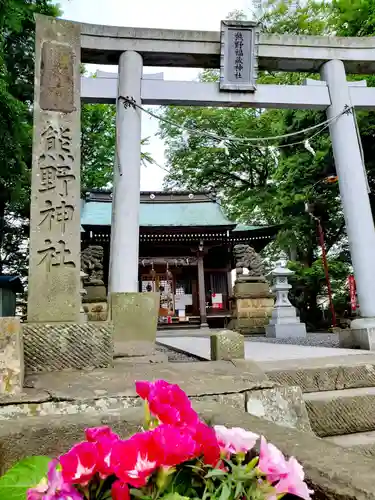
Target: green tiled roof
pixel 95 213
pixel 244 227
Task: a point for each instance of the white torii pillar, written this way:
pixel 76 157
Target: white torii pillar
pixel 126 186
pixel 355 200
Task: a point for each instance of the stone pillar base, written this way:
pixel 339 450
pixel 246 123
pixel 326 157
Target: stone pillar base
pixel 287 330
pixel 135 316
pixel 52 347
pixel 253 306
pixel 360 336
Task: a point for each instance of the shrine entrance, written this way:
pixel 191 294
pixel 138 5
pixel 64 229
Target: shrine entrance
pixel 239 50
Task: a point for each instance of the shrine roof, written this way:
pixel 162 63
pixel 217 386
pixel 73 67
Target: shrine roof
pixel 161 209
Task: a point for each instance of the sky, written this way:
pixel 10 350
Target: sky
pixel 172 14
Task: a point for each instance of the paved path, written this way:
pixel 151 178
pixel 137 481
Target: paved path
pixel 258 351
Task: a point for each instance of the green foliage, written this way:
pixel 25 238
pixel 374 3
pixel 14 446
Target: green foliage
pixel 24 475
pixel 98 141
pixel 17 27
pixel 98 146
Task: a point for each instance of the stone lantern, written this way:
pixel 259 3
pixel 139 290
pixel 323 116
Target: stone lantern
pixel 284 321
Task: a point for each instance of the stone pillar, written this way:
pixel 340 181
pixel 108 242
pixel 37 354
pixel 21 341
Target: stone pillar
pixel 126 200
pixel 202 292
pixel 353 190
pixel 54 268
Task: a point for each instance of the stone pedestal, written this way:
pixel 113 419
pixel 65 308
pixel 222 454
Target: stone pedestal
pixel 60 346
pixel 11 356
pixel 253 306
pixel 95 302
pixel 360 336
pixel 284 322
pixel 135 316
pixel 96 311
pixel 227 345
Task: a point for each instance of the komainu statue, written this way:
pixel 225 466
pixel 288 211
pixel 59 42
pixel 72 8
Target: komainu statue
pixel 247 258
pixel 92 265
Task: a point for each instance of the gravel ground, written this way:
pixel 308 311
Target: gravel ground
pixel 312 339
pixel 175 356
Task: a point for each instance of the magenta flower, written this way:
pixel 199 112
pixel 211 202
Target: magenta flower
pixel 206 439
pixel 120 491
pixel 293 482
pixel 135 459
pixel 235 440
pixel 168 402
pixel 175 445
pixel 272 462
pixel 79 465
pixel 104 439
pixel 95 434
pixel 53 487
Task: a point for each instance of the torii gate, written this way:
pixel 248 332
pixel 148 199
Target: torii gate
pixel 135 48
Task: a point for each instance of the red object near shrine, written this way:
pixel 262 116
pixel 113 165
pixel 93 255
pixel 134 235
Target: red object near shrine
pixel 353 293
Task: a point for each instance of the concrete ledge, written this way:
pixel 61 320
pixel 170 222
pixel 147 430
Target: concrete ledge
pixel 360 442
pixel 332 472
pixel 324 374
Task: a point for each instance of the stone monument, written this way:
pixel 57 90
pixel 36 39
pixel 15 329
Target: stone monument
pixel 253 301
pixel 54 337
pixel 284 322
pixel 54 281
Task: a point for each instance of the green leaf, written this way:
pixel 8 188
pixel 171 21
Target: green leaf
pixel 239 488
pixel 215 473
pixel 136 493
pixel 252 463
pixel 174 496
pixel 225 492
pixel 24 475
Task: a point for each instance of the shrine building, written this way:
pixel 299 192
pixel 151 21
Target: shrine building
pixel 185 250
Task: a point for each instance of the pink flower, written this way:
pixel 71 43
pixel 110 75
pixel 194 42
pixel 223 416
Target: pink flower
pixel 205 438
pixel 293 482
pixel 95 434
pixel 104 439
pixel 53 487
pixel 235 440
pixel 135 459
pixel 168 402
pixel 79 465
pixel 175 445
pixel 120 491
pixel 272 462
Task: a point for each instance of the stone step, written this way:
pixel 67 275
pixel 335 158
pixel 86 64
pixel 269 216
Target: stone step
pixel 361 442
pixel 334 413
pixel 324 374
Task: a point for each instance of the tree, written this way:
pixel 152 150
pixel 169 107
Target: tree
pixel 17 28
pixel 98 146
